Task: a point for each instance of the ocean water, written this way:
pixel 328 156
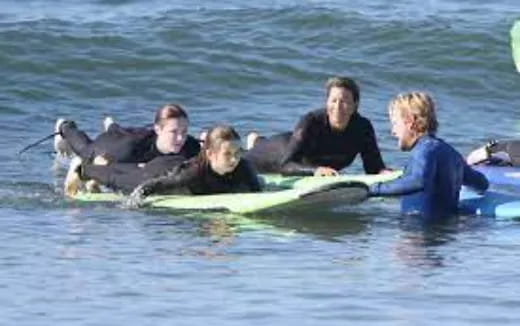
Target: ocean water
pixel 258 66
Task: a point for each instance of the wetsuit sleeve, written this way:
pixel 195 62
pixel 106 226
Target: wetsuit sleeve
pixel 180 177
pixel 474 179
pixel 291 159
pixel 124 177
pixel 422 169
pixel 370 154
pixel 250 177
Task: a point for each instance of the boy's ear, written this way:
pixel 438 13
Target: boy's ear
pixel 209 153
pixel 409 122
pixel 156 128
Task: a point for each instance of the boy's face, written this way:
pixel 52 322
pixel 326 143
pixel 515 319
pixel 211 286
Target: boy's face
pixel 402 130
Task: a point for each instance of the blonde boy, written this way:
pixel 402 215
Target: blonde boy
pixel 435 172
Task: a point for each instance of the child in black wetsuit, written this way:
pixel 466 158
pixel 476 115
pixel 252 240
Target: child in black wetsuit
pixel 218 168
pixel 165 144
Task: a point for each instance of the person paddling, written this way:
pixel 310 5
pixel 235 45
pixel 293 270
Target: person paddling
pixel 140 149
pixel 218 168
pixel 169 136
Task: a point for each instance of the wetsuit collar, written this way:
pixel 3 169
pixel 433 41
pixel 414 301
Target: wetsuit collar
pixel 420 139
pixel 327 123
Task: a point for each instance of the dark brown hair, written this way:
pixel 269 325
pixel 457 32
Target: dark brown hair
pixel 215 137
pixel 346 83
pixel 169 111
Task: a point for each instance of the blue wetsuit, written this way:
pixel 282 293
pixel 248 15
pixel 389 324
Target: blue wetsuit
pixel 432 179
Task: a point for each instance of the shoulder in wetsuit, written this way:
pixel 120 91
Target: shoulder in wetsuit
pixel 314 143
pixel 118 144
pixel 432 180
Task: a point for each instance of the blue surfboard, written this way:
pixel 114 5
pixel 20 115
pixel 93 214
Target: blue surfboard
pixel 491 203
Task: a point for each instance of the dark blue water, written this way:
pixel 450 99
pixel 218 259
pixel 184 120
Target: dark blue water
pixel 258 65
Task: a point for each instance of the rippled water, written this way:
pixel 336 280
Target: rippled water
pixel 258 65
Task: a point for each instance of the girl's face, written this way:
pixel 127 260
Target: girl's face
pixel 171 135
pixel 402 130
pixel 340 107
pixel 225 158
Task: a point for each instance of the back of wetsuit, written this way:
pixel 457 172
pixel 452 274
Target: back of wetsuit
pixel 200 179
pixel 266 155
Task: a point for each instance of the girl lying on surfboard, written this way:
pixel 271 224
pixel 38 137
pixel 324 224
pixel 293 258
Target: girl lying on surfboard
pixel 218 168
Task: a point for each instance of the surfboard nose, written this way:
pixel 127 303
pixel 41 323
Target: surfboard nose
pixel 515 44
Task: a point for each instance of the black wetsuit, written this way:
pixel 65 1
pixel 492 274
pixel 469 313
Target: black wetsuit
pixel 118 144
pixel 192 176
pixel 510 147
pixel 314 143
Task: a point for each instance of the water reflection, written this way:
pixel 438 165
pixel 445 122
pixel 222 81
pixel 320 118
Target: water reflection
pixel 423 243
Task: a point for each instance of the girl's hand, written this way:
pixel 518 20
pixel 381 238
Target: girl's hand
pixel 325 171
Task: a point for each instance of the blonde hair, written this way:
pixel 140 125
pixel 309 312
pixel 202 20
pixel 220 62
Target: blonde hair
pixel 420 107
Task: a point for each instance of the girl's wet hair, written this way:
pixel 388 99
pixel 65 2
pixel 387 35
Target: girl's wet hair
pixel 169 111
pixel 215 137
pixel 420 107
pixel 346 83
pixel 219 134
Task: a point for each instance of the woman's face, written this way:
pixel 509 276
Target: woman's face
pixel 340 107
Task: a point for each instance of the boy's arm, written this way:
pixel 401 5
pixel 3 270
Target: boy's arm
pixel 474 179
pixel 421 169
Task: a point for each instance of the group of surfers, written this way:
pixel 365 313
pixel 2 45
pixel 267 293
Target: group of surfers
pixel 166 159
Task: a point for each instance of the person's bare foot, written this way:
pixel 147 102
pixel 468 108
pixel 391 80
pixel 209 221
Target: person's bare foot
pixel 477 156
pixel 72 182
pixel 251 139
pixel 107 122
pixel 61 146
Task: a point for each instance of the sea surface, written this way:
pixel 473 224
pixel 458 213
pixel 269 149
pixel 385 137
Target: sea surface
pixel 257 65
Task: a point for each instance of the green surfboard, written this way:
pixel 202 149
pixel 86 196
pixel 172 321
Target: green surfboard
pixel 515 44
pixel 283 193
